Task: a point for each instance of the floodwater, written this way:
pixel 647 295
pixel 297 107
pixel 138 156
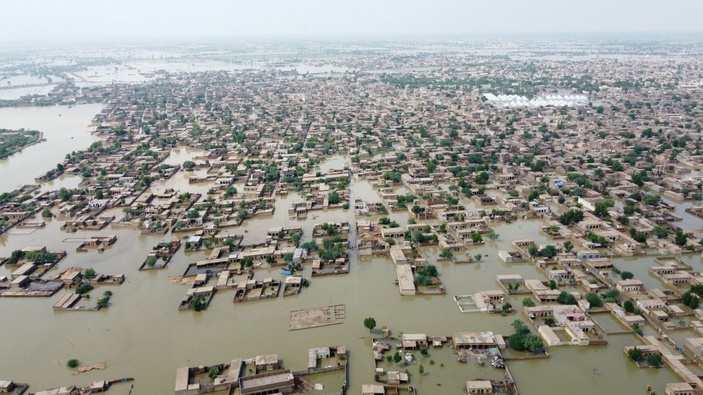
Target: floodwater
pixel 65 129
pixel 143 335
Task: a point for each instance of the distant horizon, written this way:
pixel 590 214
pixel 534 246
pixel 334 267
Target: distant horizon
pixel 50 21
pixel 360 38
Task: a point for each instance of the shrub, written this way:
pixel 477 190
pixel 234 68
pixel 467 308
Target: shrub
pixel 84 288
pixel 594 300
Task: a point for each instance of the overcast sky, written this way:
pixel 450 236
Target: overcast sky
pixel 64 20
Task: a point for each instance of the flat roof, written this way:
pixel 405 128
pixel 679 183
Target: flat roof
pixel 274 379
pixel 182 375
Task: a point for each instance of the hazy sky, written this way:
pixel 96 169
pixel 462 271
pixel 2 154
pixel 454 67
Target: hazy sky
pixel 60 20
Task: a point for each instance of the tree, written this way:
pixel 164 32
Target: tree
pixel 198 303
pixel 421 369
pixel 89 273
pixel 548 251
pixel 46 213
pixel 626 275
pixel 478 257
pixel 83 288
pixel 481 178
pixel 369 323
pixel 634 354
pixel 566 298
pixel 72 363
pixel 419 237
pixel 476 238
pixel 533 343
pixel 533 250
pixel 213 372
pixel 568 245
pixel 102 302
pixel 628 306
pixel 654 360
pixel 515 341
pixel 446 253
pixel 333 197
pixel 506 306
pixel 661 231
pixel 651 200
pixel 552 284
pixel 594 300
pixel 520 327
pixel 493 236
pixel 14 257
pixel 680 238
pixel 602 206
pixel 397 357
pixel 189 165
pixel 571 217
pixel 309 246
pixel 528 302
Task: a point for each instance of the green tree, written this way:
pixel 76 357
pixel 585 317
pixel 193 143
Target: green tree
pixel 548 251
pixel 476 238
pixel 515 341
pixel 89 273
pixel 634 354
pixel 654 360
pixel 681 238
pixel 397 357
pixel 661 231
pixel 533 250
pixel 626 275
pixel 333 198
pixel 46 213
pixel 566 298
pixel 83 288
pixel 594 300
pixel 628 306
pixel 73 363
pixel 369 323
pixel 520 327
pixel 568 245
pixel 421 369
pixel 446 253
pixel 533 343
pixel 14 257
pixel 571 217
pixel 198 303
pixel 528 302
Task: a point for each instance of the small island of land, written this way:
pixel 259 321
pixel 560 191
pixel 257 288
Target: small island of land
pixel 12 141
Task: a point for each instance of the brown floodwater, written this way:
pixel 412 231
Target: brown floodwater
pixel 143 335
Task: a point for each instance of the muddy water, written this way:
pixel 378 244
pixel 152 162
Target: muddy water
pixel 143 335
pixel 65 130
